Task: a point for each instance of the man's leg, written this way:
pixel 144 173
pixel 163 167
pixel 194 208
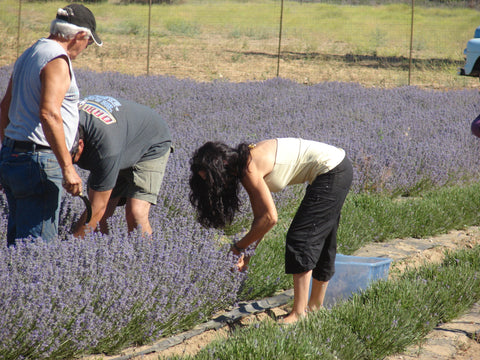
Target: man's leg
pixel 38 214
pixel 109 211
pixel 138 187
pixel 34 190
pixel 12 217
pixel 147 180
pixel 136 212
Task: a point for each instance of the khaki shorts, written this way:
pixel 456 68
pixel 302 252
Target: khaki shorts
pixel 142 181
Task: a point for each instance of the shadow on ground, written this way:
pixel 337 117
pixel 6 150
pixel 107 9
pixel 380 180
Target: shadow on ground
pixel 370 61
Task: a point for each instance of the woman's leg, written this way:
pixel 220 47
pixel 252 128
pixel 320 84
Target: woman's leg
pixel 311 238
pixel 301 287
pixel 317 294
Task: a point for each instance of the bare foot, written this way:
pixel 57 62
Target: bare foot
pixel 315 308
pixel 291 318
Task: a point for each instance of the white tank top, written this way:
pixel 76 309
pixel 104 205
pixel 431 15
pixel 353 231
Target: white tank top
pixel 26 91
pixel 298 161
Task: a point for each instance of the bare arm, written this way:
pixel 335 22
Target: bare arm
pixel 263 207
pixel 99 201
pixel 4 107
pixel 55 78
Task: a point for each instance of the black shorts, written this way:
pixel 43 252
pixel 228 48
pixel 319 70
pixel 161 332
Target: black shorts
pixel 312 236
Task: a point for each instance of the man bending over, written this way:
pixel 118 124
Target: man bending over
pixel 125 146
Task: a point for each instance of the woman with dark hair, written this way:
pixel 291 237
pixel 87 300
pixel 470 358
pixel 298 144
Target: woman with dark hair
pixel 269 166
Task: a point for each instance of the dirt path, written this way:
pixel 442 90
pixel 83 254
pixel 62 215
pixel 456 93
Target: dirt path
pixel 459 339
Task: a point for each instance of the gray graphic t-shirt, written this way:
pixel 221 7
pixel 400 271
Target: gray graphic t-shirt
pixel 118 134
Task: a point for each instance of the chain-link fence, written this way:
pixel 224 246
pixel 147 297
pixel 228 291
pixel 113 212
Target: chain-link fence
pixel 394 44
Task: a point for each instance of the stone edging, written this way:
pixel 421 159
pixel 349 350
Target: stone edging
pixel 241 311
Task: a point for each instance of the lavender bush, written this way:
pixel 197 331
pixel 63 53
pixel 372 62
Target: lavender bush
pixel 106 291
pixel 399 139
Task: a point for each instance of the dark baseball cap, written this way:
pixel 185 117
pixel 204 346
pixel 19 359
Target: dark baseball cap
pixel 79 15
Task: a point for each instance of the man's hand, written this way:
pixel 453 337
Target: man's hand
pixel 72 183
pixel 98 201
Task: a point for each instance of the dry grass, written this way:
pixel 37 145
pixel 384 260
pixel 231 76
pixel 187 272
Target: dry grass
pixel 251 55
pixel 214 58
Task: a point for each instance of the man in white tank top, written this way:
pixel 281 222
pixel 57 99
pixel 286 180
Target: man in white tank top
pixel 38 125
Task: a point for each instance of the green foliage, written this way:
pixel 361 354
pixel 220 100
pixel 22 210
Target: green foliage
pixel 380 321
pixel 182 27
pixel 129 28
pixel 265 340
pixel 367 218
pixel 381 28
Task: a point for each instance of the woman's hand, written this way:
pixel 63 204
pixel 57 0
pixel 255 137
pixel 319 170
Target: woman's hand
pixel 240 265
pixel 243 260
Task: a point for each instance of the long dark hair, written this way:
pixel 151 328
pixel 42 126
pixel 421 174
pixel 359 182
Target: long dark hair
pixel 214 194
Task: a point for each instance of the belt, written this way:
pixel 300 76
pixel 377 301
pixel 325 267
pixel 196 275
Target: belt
pixel 25 146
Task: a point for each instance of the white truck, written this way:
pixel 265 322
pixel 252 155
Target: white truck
pixel 472 56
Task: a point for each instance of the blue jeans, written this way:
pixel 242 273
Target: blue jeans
pixel 32 182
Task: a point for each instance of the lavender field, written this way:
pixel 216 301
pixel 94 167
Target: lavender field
pixel 105 292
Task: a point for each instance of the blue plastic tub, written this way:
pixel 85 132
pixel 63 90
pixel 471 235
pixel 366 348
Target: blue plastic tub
pixel 354 273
